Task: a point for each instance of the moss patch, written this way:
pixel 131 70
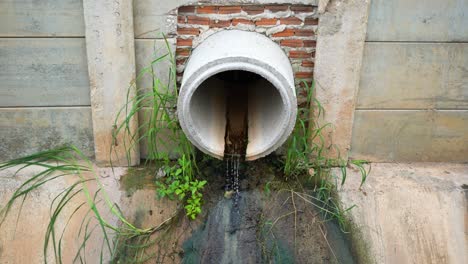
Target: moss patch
pixel 141 177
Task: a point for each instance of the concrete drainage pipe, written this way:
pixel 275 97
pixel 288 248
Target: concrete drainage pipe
pixel 262 67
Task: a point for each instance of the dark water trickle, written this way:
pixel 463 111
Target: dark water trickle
pixel 236 135
pixel 232 163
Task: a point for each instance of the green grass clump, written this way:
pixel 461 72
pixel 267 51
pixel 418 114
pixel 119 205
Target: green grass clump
pixel 306 159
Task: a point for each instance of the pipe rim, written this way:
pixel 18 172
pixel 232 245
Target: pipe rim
pixel 281 84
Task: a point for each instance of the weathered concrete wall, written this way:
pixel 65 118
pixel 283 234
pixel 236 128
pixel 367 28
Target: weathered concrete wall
pixel 413 20
pixel 44 85
pixel 147 50
pixel 382 135
pixel 414 60
pixel 43 72
pixel 413 95
pixel 38 71
pixel 409 75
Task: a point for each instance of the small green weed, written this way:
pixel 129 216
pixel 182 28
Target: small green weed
pixel 179 184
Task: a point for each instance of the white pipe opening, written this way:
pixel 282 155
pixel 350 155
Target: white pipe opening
pixel 253 60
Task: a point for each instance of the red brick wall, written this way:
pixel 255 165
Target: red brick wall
pixel 293 27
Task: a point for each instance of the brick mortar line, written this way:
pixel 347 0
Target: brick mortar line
pixel 243 15
pixel 275 39
pixel 287 26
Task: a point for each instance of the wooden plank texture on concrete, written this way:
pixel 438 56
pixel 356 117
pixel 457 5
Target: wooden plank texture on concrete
pixel 41 18
pixel 416 20
pixel 164 141
pixel 410 135
pixel 43 72
pixel 152 74
pixel 153 20
pixel 147 51
pixel 414 76
pixel 24 131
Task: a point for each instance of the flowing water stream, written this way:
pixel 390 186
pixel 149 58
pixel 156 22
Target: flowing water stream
pixel 236 135
pixel 232 163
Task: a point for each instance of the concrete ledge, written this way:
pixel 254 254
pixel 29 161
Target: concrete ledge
pixel 22 241
pixel 410 213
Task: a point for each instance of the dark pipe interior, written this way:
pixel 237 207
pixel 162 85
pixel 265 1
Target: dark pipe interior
pixel 236 110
